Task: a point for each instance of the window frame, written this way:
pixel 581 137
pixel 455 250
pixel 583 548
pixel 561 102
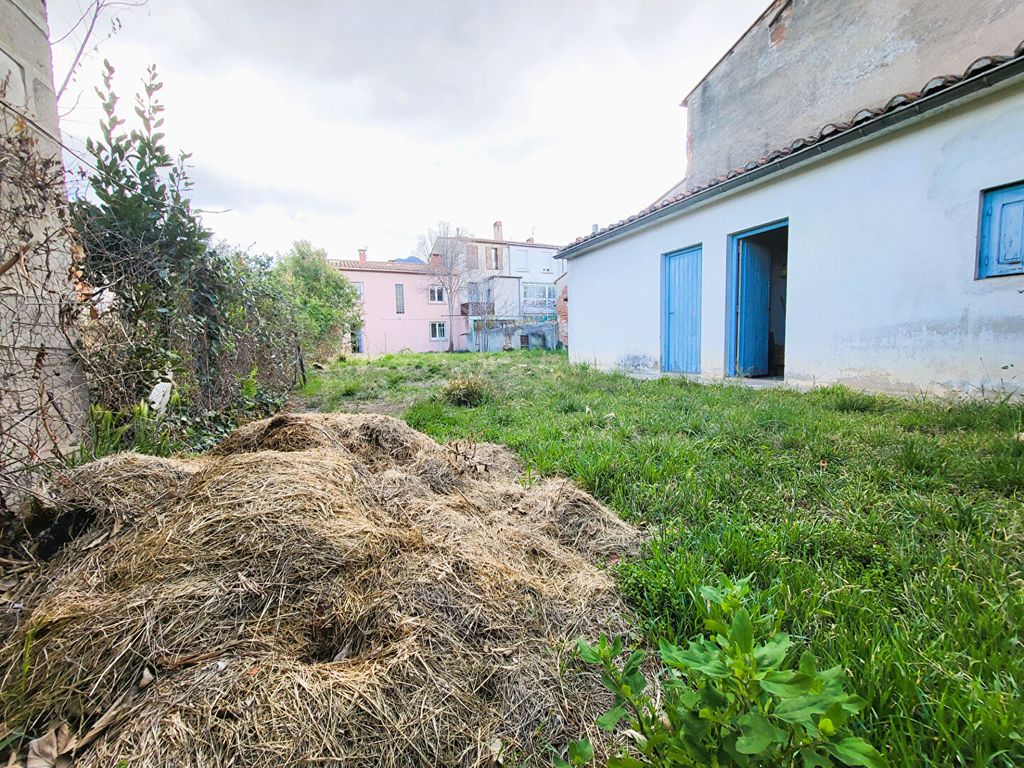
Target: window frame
pixel 430 294
pixel 987 266
pixel 548 289
pixel 358 285
pixel 399 298
pixel 444 330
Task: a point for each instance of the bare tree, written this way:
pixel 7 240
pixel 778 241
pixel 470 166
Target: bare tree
pixel 444 248
pixel 86 25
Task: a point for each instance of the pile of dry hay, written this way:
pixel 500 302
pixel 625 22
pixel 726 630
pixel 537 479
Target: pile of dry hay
pixel 330 590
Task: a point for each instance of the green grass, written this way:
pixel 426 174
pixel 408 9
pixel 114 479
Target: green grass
pixel 888 532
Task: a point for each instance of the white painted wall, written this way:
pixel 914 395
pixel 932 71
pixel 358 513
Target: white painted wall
pixel 533 263
pixel 883 243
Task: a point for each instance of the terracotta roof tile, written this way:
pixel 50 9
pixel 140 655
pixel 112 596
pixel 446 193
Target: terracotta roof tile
pixel 985 62
pixel 827 131
pixel 380 266
pixel 938 83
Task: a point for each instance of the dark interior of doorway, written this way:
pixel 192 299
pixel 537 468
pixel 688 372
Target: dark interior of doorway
pixel 777 242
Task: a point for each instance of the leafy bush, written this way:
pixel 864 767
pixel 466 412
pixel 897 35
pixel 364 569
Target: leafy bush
pixel 468 392
pixel 159 302
pixel 327 307
pixel 732 698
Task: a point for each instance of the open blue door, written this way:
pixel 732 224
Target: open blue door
pixel 681 289
pixel 755 267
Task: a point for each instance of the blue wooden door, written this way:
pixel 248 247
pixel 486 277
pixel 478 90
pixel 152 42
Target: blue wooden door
pixel 754 295
pixel 681 288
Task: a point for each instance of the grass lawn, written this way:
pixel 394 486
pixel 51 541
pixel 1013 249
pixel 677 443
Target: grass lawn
pixel 889 533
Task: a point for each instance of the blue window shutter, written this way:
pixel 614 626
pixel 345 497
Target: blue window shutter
pixel 1002 232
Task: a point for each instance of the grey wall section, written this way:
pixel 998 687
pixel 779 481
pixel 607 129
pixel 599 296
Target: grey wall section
pixel 43 401
pixel 824 60
pixel 25 49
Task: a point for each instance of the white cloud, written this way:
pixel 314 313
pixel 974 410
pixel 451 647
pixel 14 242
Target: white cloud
pixel 361 124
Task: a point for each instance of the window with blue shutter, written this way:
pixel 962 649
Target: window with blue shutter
pixel 1002 232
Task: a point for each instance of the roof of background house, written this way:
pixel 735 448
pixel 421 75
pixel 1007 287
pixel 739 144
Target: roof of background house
pixel 381 266
pixel 524 243
pixel 939 91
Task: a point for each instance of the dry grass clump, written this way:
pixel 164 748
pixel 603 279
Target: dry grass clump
pixel 330 590
pixel 468 392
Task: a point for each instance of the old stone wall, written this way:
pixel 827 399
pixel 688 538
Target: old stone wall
pixel 43 399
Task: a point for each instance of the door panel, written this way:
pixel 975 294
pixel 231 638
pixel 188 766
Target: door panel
pixel 682 300
pixel 752 322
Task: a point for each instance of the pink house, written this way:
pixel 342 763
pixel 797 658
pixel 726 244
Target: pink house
pixel 404 307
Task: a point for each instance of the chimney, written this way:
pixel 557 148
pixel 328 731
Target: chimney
pixel 435 260
pixel 362 253
pixel 593 229
pixel 497 231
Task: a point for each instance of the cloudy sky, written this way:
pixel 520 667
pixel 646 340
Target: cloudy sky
pixel 361 122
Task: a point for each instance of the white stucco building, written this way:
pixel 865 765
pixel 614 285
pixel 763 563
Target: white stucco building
pixel 883 252
pixel 507 283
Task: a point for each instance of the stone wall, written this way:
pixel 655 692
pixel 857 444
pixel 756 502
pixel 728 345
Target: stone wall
pixel 43 399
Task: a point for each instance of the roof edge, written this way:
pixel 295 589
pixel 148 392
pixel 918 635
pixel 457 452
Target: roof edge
pixel 1003 74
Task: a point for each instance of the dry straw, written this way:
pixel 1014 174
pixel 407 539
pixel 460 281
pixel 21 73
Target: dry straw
pixel 329 590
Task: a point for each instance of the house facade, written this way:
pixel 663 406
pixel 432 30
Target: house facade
pixel 508 283
pixel 404 307
pixel 881 250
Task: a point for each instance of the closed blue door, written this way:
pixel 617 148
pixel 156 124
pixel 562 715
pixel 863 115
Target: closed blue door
pixel 681 288
pixel 755 266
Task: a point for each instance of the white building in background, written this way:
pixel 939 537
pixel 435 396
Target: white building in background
pixel 511 284
pixel 884 251
pixel 520 274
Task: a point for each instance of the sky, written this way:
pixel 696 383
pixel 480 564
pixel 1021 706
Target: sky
pixel 361 123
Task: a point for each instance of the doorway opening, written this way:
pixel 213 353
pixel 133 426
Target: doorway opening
pixel 757 284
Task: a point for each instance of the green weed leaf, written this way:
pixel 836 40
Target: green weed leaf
pixel 588 652
pixel 814 760
pixel 625 762
pixel 773 653
pixel 742 631
pixel 580 752
pixel 610 719
pixel 854 751
pixel 786 684
pixel 758 734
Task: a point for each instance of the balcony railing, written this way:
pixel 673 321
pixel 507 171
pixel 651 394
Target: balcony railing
pixel 477 308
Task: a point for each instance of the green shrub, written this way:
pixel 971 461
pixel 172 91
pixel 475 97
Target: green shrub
pixel 732 698
pixel 467 392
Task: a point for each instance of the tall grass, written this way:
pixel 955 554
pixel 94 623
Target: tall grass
pixel 889 533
